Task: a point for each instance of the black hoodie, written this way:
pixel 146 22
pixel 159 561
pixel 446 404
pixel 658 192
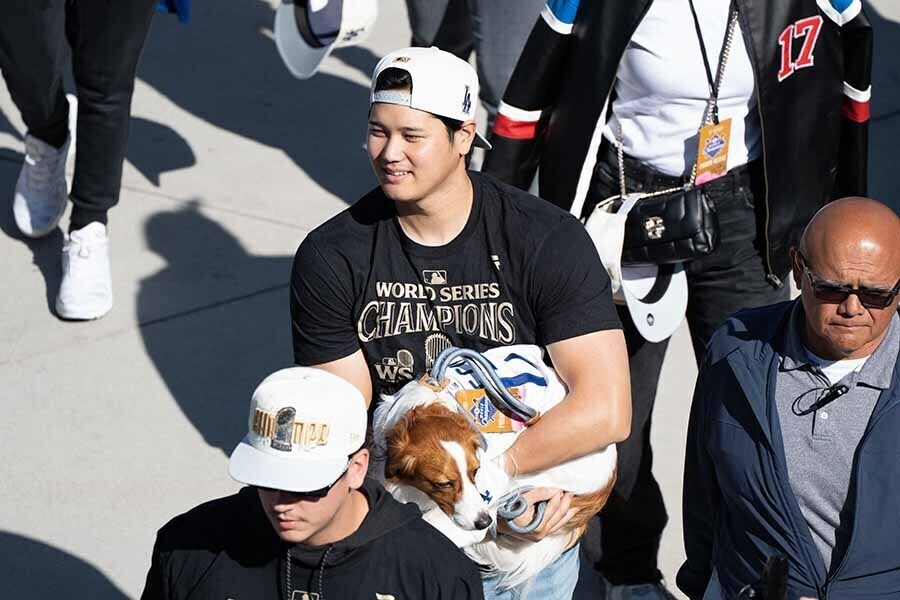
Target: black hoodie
pixel 227 549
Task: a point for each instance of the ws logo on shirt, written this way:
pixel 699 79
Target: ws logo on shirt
pixel 393 369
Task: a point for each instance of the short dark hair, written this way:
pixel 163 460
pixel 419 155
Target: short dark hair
pixel 393 78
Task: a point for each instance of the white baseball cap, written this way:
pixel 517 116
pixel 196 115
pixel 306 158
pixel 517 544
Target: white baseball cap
pixel 656 296
pixel 442 84
pixel 306 31
pixel 304 425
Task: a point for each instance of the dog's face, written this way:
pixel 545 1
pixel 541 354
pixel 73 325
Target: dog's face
pixel 436 450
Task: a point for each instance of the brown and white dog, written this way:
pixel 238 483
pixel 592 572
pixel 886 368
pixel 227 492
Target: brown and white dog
pixel 437 455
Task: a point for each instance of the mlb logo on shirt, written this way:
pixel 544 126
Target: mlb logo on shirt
pixel 435 277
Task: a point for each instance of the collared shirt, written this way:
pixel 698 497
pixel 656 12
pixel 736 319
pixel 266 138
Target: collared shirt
pixel 819 447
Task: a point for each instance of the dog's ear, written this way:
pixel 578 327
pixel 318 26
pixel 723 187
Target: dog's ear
pixel 401 468
pixel 399 462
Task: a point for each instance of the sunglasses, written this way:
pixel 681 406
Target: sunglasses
pixel 311 495
pixel 836 293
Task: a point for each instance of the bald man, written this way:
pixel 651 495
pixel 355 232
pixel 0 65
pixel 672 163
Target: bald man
pixel 794 438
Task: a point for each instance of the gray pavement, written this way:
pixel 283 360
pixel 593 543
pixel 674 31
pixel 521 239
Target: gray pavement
pixel 112 427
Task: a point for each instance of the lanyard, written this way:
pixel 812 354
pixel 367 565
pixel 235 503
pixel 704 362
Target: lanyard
pixel 714 84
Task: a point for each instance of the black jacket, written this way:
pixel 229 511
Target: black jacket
pixel 814 121
pixel 739 507
pixel 227 548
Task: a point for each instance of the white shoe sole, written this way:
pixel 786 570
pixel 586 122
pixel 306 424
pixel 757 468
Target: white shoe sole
pixel 79 313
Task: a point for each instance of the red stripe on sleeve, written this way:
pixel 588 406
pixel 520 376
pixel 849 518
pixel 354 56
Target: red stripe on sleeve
pixel 515 130
pixel 858 112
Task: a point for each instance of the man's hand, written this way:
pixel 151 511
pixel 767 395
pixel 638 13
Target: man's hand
pixel 558 512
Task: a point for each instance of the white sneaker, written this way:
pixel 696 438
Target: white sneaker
pixel 86 289
pixel 41 191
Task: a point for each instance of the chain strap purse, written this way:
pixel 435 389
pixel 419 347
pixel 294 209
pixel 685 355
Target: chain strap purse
pixel 679 223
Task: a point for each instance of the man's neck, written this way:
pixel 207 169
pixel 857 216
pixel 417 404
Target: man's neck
pixel 437 219
pixel 345 522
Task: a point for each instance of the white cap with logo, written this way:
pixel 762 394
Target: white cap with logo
pixel 304 425
pixel 306 31
pixel 442 84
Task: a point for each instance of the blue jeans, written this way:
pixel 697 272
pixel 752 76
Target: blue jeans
pixel 556 581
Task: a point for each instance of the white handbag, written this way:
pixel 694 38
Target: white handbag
pixel 607 231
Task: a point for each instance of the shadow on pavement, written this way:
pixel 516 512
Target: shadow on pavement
pixel 154 149
pixel 212 355
pixel 46 252
pixel 884 130
pixel 34 570
pixel 224 68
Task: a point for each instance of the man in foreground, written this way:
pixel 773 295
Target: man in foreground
pixel 438 256
pixel 310 524
pixel 792 442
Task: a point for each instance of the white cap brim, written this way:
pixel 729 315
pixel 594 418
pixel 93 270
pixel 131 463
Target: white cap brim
pixel 656 297
pixel 300 58
pixel 251 466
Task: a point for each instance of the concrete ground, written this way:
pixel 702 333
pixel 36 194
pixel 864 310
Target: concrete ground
pixel 112 427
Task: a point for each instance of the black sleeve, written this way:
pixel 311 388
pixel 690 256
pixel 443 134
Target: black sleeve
pixel 700 502
pixel 460 579
pixel 321 308
pixel 156 586
pixel 852 172
pixel 570 288
pixel 519 129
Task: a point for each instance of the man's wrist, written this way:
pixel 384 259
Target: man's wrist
pixel 509 464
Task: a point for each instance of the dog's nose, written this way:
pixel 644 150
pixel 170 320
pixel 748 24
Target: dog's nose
pixel 483 521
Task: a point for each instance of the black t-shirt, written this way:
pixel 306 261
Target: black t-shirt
pixel 522 271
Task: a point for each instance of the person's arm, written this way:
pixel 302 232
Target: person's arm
pixel 322 318
pixel 530 96
pixel 700 498
pixel 465 585
pixel 157 586
pixel 852 170
pixel 576 318
pixel 595 413
pixel 353 369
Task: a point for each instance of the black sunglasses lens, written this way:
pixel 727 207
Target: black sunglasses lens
pixel 830 294
pixel 313 495
pixel 836 295
pixel 316 494
pixel 875 299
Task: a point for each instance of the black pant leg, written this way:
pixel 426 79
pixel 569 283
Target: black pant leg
pixel 623 540
pixel 732 278
pixel 33 55
pixel 106 39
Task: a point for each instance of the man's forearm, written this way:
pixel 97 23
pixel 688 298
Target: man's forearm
pixel 580 424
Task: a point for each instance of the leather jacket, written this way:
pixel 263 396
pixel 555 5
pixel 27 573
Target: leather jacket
pixel 813 107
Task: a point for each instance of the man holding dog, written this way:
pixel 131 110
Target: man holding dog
pixel 792 444
pixel 309 524
pixel 439 256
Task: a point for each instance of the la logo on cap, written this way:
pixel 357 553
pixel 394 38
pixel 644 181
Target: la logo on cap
pixel 467 101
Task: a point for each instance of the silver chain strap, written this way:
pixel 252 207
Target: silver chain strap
pixel 708 120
